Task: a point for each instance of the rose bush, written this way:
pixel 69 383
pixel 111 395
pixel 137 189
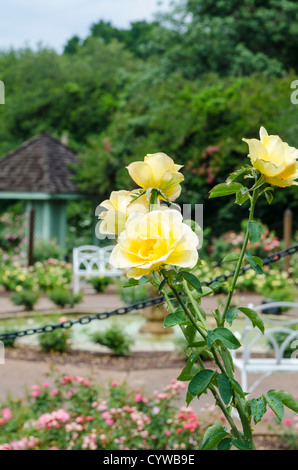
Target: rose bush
pixel 160 248
pixel 75 414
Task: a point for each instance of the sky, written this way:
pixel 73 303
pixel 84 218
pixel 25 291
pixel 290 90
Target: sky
pixel 52 22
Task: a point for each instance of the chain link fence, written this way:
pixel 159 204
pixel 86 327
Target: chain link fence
pixel 84 320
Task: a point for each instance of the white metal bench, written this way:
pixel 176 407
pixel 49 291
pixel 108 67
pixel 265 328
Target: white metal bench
pixel 92 261
pixel 250 363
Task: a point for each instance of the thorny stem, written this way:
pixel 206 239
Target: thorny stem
pixel 212 389
pixel 241 257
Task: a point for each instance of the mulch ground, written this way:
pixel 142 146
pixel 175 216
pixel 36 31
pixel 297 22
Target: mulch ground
pixel 136 361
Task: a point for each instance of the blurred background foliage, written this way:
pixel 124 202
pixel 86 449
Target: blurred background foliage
pixel 191 83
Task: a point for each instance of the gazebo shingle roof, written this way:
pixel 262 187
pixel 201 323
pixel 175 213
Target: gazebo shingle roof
pixel 39 165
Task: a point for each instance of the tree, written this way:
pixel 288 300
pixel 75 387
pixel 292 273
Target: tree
pixel 230 37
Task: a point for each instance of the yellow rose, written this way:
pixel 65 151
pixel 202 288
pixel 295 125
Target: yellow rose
pixel 158 171
pixel 119 207
pixel 152 240
pixel 275 159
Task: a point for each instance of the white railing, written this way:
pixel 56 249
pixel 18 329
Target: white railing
pixel 92 261
pixel 254 360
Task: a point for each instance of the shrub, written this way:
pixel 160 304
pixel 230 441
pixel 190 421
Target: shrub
pixel 44 250
pixel 27 298
pixel 75 414
pixel 57 340
pixel 8 342
pixel 114 339
pixel 100 283
pixel 131 295
pixel 62 297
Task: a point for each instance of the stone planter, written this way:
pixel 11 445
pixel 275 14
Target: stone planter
pixel 155 316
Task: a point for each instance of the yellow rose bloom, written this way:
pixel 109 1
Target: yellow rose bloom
pixel 152 240
pixel 158 171
pixel 275 159
pixel 118 208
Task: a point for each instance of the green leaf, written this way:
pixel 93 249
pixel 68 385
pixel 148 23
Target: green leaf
pixel 189 371
pixel 225 388
pixel 190 333
pixel 254 318
pixel 131 283
pixel 224 335
pixel 137 282
pixel 225 444
pixel 213 436
pixel 175 318
pixel 200 382
pixel 231 314
pixel 241 198
pixel 237 387
pixel 188 398
pixel 286 398
pixel 235 174
pixel 255 262
pixel 161 286
pixel 224 189
pixel 269 194
pixel 205 291
pixel 275 404
pixel 258 408
pixel 234 256
pixel 217 284
pixel 192 280
pixel 240 445
pixel 255 230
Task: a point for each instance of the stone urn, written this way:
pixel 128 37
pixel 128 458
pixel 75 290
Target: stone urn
pixel 155 316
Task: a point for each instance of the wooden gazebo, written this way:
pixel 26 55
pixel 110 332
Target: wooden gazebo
pixel 38 173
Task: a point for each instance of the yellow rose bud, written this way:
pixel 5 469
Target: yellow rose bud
pixel 152 240
pixel 119 207
pixel 275 159
pixel 158 171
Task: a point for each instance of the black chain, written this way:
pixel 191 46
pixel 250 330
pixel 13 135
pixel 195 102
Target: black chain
pixel 84 320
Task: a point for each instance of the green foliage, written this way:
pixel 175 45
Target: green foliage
pixel 115 339
pixel 58 340
pixel 25 297
pixel 75 406
pixel 62 296
pixel 228 37
pixel 100 283
pixel 133 294
pixel 43 250
pixel 8 342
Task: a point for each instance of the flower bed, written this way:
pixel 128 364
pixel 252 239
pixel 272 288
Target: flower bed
pixel 45 275
pixel 74 414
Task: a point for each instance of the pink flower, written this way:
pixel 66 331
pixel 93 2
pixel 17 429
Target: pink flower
pixel 114 384
pixel 167 432
pixel 288 422
pixel 7 414
pixel 45 385
pixel 109 422
pixel 138 398
pixel 55 392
